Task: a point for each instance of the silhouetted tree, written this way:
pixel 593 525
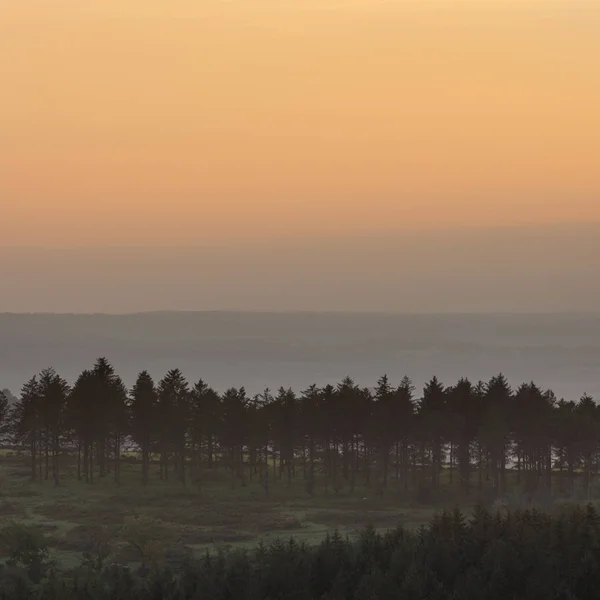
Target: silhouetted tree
pixel 234 430
pixel 463 411
pixel 532 420
pixel 285 429
pixel 310 409
pixel 26 421
pixel 144 421
pixel 432 412
pixel 173 415
pixel 495 428
pixel 53 392
pixel 587 415
pixel 84 417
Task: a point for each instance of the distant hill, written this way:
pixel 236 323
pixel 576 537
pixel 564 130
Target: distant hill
pixel 256 350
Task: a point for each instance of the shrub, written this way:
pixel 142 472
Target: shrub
pixel 150 538
pixel 26 547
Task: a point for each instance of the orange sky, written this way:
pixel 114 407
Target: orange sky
pixel 177 121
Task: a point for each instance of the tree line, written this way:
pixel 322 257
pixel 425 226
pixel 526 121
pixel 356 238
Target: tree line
pixel 523 555
pixel 467 435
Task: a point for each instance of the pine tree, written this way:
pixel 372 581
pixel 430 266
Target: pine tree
pixel 144 425
pixel 495 428
pixel 233 431
pixel 588 420
pixel 53 393
pixel 432 411
pixel 402 414
pixel 464 414
pixel 174 415
pixel 311 427
pixel 26 421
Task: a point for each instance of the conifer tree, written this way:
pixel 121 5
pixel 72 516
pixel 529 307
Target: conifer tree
pixel 144 422
pixel 432 412
pixel 174 415
pixel 26 422
pixel 233 431
pixel 53 393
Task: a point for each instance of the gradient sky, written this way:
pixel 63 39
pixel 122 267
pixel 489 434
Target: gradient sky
pixel 186 122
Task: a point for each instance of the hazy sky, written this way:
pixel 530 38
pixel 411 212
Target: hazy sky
pixel 204 122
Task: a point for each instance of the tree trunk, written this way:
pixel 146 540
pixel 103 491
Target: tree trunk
pixel 92 445
pixel 385 462
pixel 117 458
pixel 79 459
pixel 86 460
pixel 47 457
pixel 101 457
pixel 210 451
pixel 33 460
pixel 55 459
pixel 182 462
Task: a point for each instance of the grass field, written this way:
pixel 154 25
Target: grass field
pixel 211 518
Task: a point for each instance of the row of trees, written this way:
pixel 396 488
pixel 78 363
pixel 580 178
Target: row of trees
pixel 465 434
pixel 525 555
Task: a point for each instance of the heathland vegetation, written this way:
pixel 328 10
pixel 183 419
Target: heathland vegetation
pixel 172 484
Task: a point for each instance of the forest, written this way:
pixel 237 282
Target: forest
pixel 173 490
pixel 466 435
pixel 527 555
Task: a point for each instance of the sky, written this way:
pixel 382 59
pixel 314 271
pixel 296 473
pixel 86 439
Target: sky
pixel 130 128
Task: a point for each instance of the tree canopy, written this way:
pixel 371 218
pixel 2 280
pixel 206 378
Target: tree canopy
pixel 467 434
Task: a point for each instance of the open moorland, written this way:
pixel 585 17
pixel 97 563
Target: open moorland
pixel 74 517
pixel 194 520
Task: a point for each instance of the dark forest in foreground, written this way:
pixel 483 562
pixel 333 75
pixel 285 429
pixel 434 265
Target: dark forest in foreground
pixel 528 555
pixel 466 436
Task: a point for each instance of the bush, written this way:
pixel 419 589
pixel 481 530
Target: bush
pixel 98 546
pixel 26 547
pixel 150 538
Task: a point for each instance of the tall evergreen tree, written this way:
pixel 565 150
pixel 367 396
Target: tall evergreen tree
pixel 108 401
pixel 233 431
pixel 403 412
pixel 174 415
pixel 310 405
pixel 587 415
pixel 144 422
pixel 532 423
pixel 204 416
pixel 432 412
pixel 285 430
pixel 53 393
pixel 495 428
pixel 382 426
pixel 26 421
pixel 85 418
pixel 463 414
